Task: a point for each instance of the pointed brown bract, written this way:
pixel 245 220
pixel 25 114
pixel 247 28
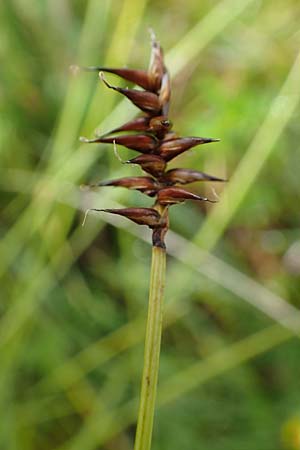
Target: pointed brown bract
pixel 185 176
pixel 139 77
pixel 158 125
pixel 174 147
pixel 144 184
pixel 173 195
pixel 145 100
pixel 141 216
pixel 140 142
pixel 138 124
pixel 152 164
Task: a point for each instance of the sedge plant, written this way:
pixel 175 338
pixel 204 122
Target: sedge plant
pixel 152 136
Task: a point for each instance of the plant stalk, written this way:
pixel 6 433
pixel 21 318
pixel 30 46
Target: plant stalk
pixel 152 350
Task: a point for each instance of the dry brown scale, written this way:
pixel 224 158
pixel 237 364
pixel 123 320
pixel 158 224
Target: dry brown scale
pixel 152 136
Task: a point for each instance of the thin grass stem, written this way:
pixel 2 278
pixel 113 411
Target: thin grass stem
pixel 152 350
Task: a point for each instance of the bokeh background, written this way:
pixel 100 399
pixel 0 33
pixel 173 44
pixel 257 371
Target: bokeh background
pixel 74 299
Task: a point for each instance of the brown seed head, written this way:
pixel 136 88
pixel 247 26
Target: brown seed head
pixel 152 137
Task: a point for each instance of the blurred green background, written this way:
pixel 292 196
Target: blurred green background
pixel 74 299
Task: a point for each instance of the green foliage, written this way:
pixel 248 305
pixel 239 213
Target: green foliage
pixel 73 299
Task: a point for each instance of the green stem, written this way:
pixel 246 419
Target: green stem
pixel 152 350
